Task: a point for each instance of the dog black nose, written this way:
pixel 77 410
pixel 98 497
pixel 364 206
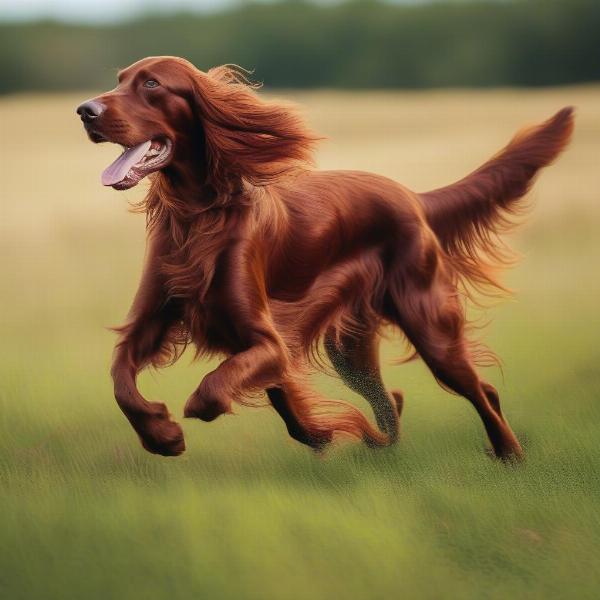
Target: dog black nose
pixel 90 110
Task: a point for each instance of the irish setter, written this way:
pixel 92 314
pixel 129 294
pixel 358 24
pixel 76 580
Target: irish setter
pixel 254 256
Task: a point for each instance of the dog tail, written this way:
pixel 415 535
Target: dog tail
pixel 468 216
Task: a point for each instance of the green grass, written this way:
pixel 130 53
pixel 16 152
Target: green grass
pixel 246 513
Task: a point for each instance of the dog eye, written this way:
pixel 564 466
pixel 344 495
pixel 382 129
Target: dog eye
pixel 151 83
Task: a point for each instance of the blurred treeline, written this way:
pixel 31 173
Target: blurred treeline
pixel 356 44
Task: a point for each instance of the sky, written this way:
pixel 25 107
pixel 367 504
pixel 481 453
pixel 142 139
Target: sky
pixel 112 10
pixel 99 10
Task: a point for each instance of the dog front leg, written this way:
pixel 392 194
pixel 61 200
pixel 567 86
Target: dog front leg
pixel 253 370
pixel 263 358
pixel 150 420
pixel 142 339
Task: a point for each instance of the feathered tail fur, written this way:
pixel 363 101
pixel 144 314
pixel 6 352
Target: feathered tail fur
pixel 468 215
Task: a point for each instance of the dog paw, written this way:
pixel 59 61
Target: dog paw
pixel 509 457
pixel 205 408
pixel 160 435
pixel 319 441
pixel 316 440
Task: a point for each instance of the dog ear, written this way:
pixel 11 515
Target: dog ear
pixel 246 137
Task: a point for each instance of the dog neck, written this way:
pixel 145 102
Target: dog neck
pixel 185 186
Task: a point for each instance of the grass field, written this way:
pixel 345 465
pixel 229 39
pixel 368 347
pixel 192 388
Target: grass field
pixel 246 513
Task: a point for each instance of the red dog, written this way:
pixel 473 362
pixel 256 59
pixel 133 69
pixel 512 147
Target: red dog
pixel 253 256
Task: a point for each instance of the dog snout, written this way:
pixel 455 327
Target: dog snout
pixel 90 110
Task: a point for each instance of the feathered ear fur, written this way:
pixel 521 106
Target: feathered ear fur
pixel 247 137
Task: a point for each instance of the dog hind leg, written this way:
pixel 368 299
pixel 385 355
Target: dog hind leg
pixel 355 358
pixel 312 419
pixel 432 318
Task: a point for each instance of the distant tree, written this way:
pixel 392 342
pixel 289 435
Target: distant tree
pixel 357 44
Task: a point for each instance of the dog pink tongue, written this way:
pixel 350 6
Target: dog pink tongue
pixel 118 170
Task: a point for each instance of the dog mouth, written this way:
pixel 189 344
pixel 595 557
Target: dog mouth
pixel 136 162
